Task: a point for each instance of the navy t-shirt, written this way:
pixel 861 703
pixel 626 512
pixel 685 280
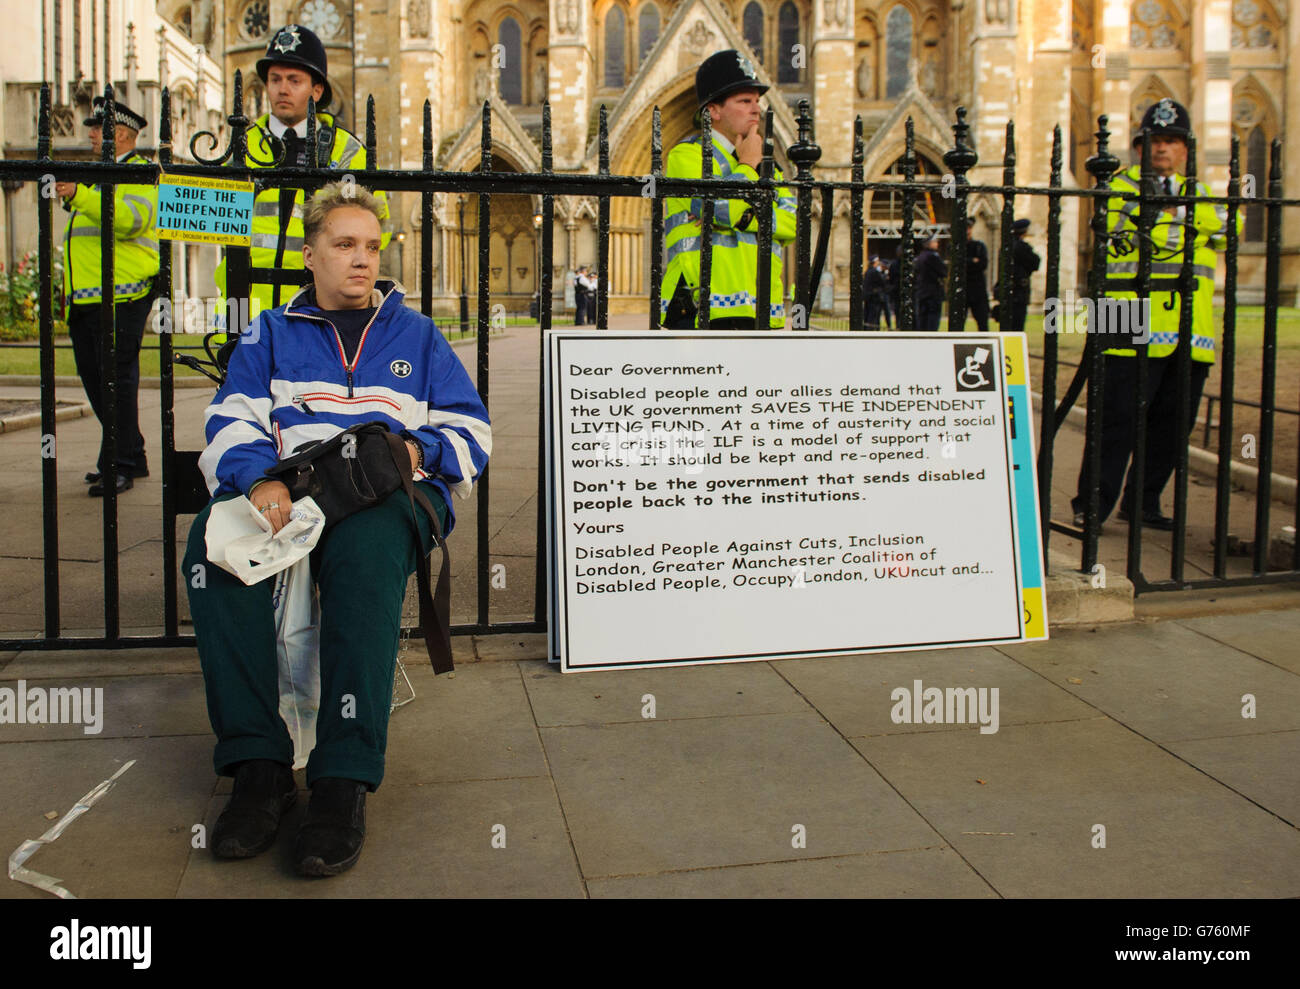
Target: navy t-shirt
pixel 350 323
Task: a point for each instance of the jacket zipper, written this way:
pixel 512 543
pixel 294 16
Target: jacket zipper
pixel 349 368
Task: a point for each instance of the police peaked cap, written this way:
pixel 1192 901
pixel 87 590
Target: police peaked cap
pixel 294 45
pixel 122 114
pixel 1020 226
pixel 722 74
pixel 1165 118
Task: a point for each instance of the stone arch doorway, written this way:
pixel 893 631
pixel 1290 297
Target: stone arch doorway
pixel 629 218
pixel 513 252
pixel 931 212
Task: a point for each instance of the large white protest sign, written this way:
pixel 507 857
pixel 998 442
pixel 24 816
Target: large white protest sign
pixel 723 496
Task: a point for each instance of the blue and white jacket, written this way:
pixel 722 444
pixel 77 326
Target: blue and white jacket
pixel 288 383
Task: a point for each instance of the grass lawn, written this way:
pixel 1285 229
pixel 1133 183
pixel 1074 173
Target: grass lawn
pixel 25 358
pixel 1248 385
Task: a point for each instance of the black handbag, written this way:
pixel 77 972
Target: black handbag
pixel 355 470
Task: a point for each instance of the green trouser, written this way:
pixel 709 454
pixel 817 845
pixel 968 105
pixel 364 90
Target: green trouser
pixel 361 568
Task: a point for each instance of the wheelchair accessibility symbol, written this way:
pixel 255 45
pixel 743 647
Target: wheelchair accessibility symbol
pixel 974 371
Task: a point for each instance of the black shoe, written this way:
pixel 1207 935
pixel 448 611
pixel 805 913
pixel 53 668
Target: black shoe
pixel 141 471
pixel 92 476
pixel 264 790
pixel 1152 520
pixel 124 483
pixel 335 829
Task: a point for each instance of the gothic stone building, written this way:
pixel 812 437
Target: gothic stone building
pixel 1037 63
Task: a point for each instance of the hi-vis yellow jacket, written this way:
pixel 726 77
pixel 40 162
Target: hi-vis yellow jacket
pixel 1210 225
pixel 733 288
pixel 135 242
pixel 277 247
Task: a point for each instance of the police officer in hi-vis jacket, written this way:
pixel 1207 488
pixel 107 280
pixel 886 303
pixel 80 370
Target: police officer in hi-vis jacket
pixel 295 70
pixel 1204 231
pixel 135 265
pixel 725 84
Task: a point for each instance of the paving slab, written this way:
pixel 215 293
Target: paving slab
pixel 40 664
pixel 511 648
pixel 475 724
pixel 135 841
pixel 132 707
pixel 853 692
pixel 1265 768
pixel 937 873
pixel 1020 806
pixel 692 793
pixel 430 840
pixel 1166 681
pixel 1273 636
pixel 600 698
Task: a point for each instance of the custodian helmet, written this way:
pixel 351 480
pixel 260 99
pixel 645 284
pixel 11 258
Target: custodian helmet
pixel 295 45
pixel 1165 118
pixel 722 74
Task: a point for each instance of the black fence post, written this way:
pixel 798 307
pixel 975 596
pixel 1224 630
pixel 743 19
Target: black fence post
pixel 1005 248
pixel 1228 371
pixel 1051 345
pixel 171 322
pixel 765 203
pixel 906 254
pixel 804 153
pixel 426 226
pixel 1101 166
pixel 961 159
pixel 706 218
pixel 484 332
pixel 1183 366
pixel 1147 214
pixel 602 229
pixel 544 321
pixel 49 439
pixel 1268 358
pixel 656 220
pixel 108 368
pixel 856 270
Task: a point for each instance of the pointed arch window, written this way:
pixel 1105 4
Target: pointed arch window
pixel 512 71
pixel 647 30
pixel 752 27
pixel 898 51
pixel 787 32
pixel 615 49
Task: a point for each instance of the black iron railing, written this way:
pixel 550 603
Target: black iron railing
pixel 808 258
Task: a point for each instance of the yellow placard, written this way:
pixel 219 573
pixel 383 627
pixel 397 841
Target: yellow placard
pixel 205 210
pixel 1035 613
pixel 1014 359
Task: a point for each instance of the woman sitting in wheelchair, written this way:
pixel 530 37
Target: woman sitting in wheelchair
pixel 344 351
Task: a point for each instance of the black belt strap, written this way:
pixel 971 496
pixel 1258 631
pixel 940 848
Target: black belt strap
pixel 435 609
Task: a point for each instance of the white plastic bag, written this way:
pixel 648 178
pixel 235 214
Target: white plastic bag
pixel 297 646
pixel 240 541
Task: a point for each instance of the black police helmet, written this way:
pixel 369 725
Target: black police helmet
pixel 722 74
pixel 1165 118
pixel 294 45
